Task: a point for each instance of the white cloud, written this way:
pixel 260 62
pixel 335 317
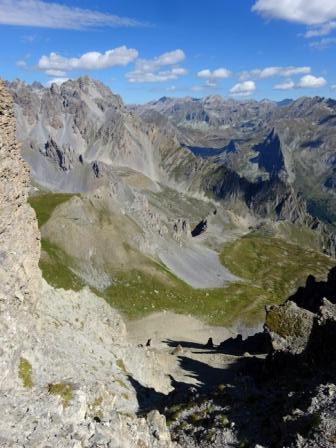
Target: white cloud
pixel 209 83
pixel 162 76
pixel 206 87
pixel 269 72
pixel 93 60
pixel 57 81
pixel 308 12
pixel 169 58
pixel 306 82
pixel 38 13
pixel 58 73
pixel 318 15
pixel 311 82
pixel 243 88
pixel 324 43
pixel 333 87
pixel 287 85
pixel 152 70
pixel 321 30
pixel 219 73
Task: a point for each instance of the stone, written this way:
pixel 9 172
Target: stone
pixel 289 327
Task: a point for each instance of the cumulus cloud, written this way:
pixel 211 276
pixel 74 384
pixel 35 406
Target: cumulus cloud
pixel 38 13
pixel 306 82
pixel 162 68
pixel 319 15
pixel 219 73
pixel 161 76
pixel 243 88
pixel 269 72
pixel 93 60
pixel 57 81
pixel 169 58
pixel 311 82
pixel 287 85
pixel 308 12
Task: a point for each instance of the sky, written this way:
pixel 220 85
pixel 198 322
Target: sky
pixel 146 49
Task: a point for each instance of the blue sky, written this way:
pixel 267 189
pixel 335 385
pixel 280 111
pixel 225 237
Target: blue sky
pixel 144 49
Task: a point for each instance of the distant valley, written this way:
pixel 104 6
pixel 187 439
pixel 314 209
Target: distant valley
pixel 119 191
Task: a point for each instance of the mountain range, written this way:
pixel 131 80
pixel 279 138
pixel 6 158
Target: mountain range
pixel 266 160
pixel 138 289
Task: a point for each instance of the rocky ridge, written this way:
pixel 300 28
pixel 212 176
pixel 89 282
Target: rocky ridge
pixel 274 159
pixel 279 392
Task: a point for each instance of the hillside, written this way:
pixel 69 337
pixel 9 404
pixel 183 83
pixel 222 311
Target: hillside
pixel 119 195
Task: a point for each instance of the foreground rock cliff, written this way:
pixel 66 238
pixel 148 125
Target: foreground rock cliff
pixel 282 387
pixel 64 356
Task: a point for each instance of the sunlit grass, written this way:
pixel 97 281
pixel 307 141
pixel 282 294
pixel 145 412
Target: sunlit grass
pixel 45 203
pixel 270 268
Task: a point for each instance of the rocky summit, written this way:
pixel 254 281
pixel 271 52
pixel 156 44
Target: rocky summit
pixel 167 270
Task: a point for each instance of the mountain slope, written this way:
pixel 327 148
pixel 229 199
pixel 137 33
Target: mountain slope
pixel 303 128
pixel 75 129
pixel 146 201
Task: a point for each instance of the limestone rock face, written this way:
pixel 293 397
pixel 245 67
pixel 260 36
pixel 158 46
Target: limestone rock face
pixel 19 235
pixel 20 247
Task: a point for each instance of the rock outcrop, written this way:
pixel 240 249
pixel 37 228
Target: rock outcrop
pixel 279 392
pixel 20 277
pixel 301 325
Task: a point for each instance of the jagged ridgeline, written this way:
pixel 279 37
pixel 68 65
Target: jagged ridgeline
pixel 120 190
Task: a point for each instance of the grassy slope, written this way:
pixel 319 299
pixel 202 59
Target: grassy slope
pixel 44 204
pixel 272 269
